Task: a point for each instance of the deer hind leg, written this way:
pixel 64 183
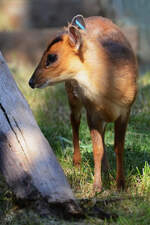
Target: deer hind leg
pixel 120 130
pixel 75 116
pixel 97 131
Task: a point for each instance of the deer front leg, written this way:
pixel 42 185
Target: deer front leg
pixel 75 122
pixel 120 130
pixel 96 131
pixel 98 152
pixel 75 107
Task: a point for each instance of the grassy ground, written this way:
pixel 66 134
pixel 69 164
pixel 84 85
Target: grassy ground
pixel 52 114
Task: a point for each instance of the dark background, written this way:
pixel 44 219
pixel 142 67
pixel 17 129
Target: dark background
pixel 17 16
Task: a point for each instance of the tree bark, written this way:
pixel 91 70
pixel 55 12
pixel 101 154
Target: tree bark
pixel 26 159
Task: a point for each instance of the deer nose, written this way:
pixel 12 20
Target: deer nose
pixel 31 83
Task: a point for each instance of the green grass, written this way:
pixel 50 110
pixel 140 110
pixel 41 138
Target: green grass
pixel 51 111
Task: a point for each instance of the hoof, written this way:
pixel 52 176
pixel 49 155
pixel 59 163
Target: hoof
pixel 97 188
pixel 120 185
pixel 77 163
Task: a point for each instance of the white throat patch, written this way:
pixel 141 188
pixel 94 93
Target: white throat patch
pixel 88 88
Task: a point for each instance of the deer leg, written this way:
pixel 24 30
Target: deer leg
pixel 98 151
pixel 75 116
pixel 120 130
pixel 75 122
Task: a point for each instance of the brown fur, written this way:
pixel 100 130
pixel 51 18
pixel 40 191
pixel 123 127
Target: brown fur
pixel 100 71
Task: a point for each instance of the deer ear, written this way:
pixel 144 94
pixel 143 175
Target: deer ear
pixel 78 21
pixel 74 37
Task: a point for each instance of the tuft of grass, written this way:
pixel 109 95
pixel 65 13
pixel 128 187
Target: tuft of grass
pixel 51 111
pixel 144 180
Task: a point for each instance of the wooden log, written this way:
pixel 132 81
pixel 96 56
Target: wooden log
pixel 26 158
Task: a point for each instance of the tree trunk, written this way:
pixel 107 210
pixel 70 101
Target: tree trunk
pixel 26 159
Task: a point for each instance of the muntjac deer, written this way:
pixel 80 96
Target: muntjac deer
pixel 99 68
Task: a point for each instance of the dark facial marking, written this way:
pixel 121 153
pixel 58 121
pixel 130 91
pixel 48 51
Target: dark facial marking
pixel 57 39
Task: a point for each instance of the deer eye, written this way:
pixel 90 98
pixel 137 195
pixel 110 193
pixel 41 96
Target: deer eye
pixel 51 58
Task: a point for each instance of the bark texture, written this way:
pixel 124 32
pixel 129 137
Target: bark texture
pixel 26 158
